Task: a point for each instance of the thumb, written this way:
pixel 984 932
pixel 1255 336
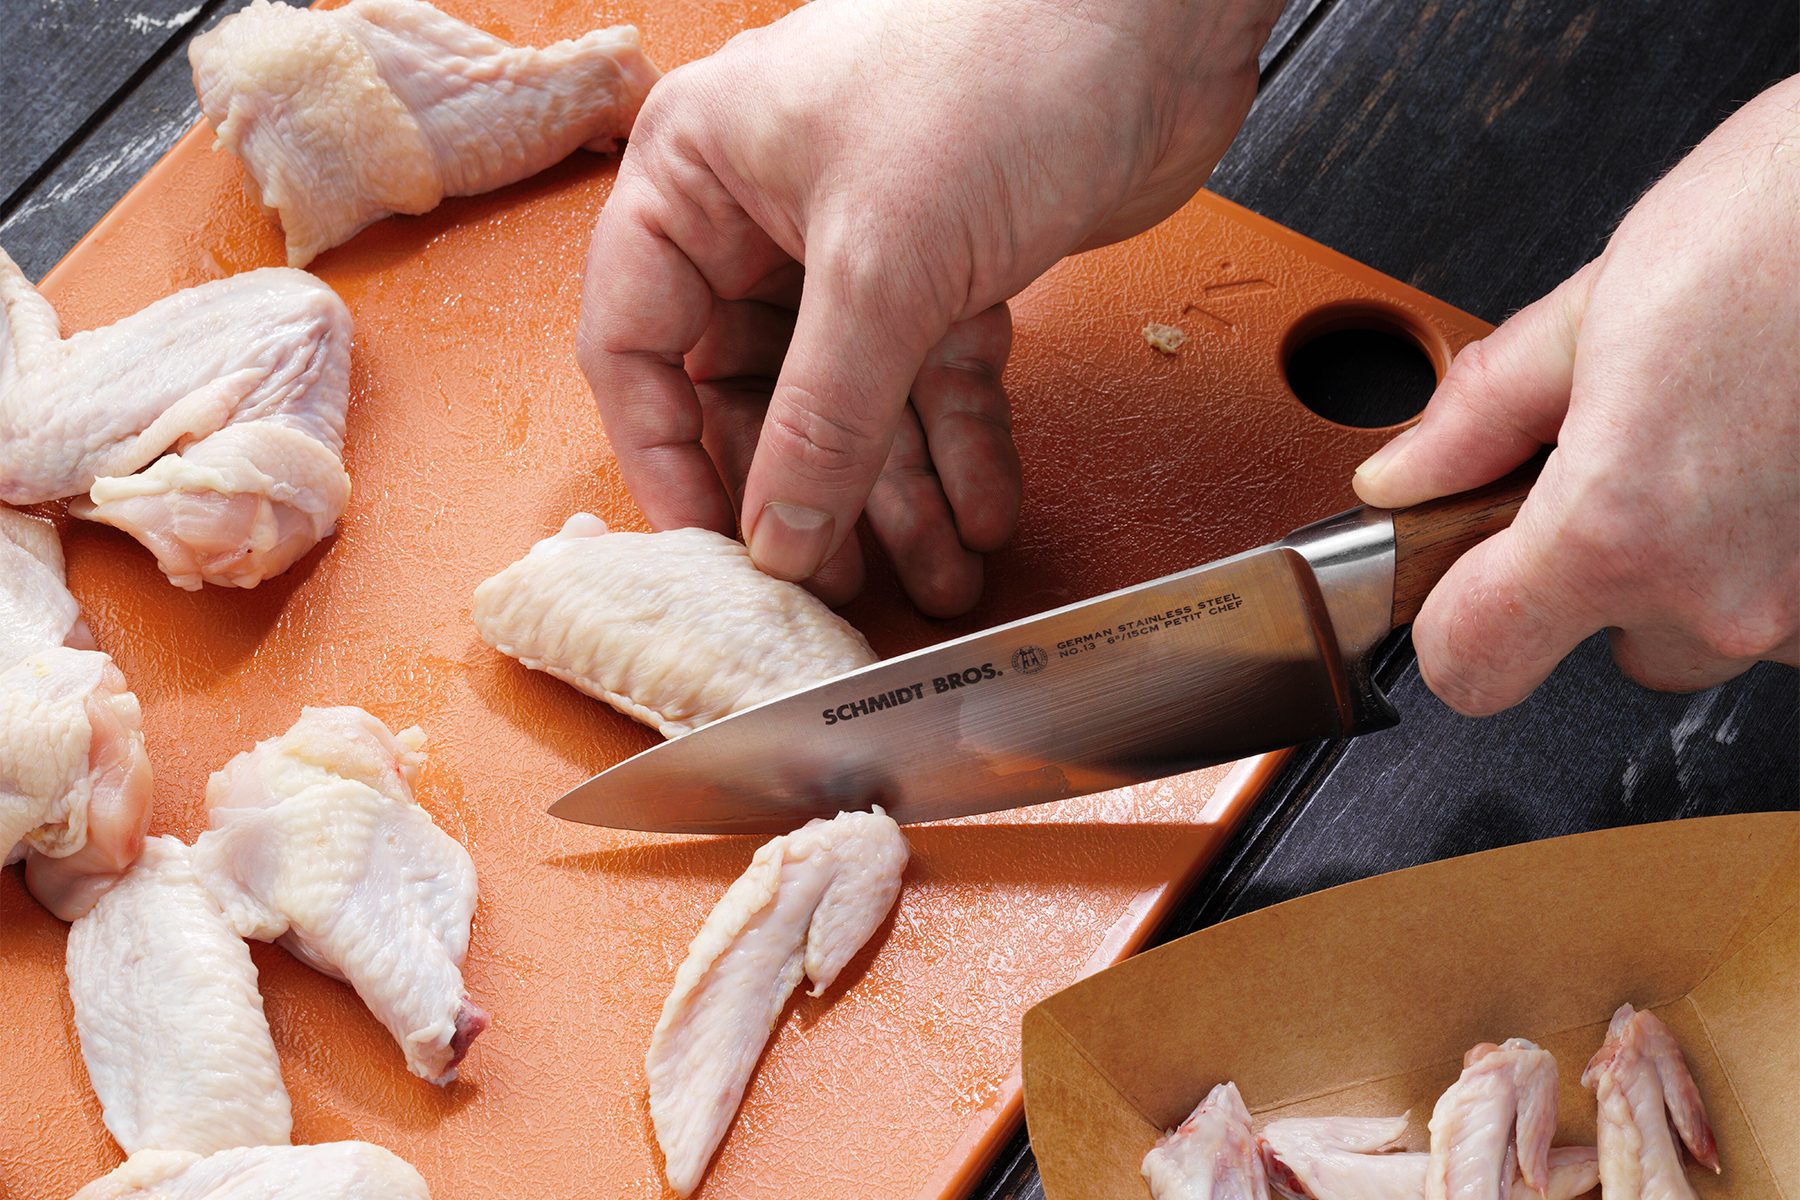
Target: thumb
pixel 1502 398
pixel 858 342
pixel 1498 622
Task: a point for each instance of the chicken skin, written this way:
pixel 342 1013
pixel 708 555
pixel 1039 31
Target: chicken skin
pixel 208 426
pixel 332 1171
pixel 1501 1112
pixel 1351 1158
pixel 75 785
pixel 1646 1097
pixel 808 902
pixel 1212 1155
pixel 36 608
pixel 675 629
pixel 170 1020
pixel 344 116
pixel 316 840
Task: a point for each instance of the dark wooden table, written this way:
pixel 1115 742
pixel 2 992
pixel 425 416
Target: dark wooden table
pixel 1480 150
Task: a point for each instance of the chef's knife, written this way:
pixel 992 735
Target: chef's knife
pixel 1255 652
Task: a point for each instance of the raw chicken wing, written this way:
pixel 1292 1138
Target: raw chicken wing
pixel 74 778
pixel 209 426
pixel 808 902
pixel 1210 1156
pixel 316 840
pixel 1348 1158
pixel 675 629
pixel 1643 1087
pixel 332 1171
pixel 170 1020
pixel 1501 1112
pixel 36 609
pixel 1341 1158
pixel 75 784
pixel 388 106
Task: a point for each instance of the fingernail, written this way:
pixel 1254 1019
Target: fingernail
pixel 790 540
pixel 1383 458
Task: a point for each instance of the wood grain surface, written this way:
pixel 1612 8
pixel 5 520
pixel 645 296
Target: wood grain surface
pixel 1430 537
pixel 1481 151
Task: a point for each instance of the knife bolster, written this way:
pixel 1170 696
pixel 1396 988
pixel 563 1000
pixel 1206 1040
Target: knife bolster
pixel 1352 558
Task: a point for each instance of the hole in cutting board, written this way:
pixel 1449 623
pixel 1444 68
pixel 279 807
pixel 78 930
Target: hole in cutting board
pixel 1362 367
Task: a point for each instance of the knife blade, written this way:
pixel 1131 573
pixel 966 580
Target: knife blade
pixel 1256 652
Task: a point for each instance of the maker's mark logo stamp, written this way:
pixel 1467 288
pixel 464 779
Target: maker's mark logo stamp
pixel 1029 660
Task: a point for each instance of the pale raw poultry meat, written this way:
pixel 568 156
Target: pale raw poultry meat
pixel 807 903
pixel 209 425
pixel 1500 1113
pixel 75 783
pixel 1353 1158
pixel 1647 1097
pixel 1212 1155
pixel 316 840
pixel 675 629
pixel 331 1171
pixel 388 106
pixel 36 608
pixel 1341 1158
pixel 169 1016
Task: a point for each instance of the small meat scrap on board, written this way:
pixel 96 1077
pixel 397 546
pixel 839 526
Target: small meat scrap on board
pixel 676 629
pixel 317 842
pixel 1167 339
pixel 808 902
pixel 346 115
pixel 75 783
pixel 209 426
pixel 169 1017
pixel 1213 1155
pixel 1647 1097
pixel 1500 1112
pixel 330 1171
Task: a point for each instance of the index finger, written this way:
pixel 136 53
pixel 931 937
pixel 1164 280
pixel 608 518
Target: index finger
pixel 644 305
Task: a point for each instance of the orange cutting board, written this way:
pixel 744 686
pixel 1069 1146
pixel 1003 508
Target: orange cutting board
pixel 471 434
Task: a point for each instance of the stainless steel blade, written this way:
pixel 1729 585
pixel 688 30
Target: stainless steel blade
pixel 1194 669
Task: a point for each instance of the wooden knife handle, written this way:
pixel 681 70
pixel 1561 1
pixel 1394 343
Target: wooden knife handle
pixel 1429 537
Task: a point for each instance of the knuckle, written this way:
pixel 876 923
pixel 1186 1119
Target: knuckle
pixel 943 593
pixel 825 443
pixel 1457 661
pixel 978 346
pixel 682 100
pixel 987 524
pixel 1461 685
pixel 661 106
pixel 1472 377
pixel 749 43
pixel 983 431
pixel 883 267
pixel 1744 633
pixel 869 268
